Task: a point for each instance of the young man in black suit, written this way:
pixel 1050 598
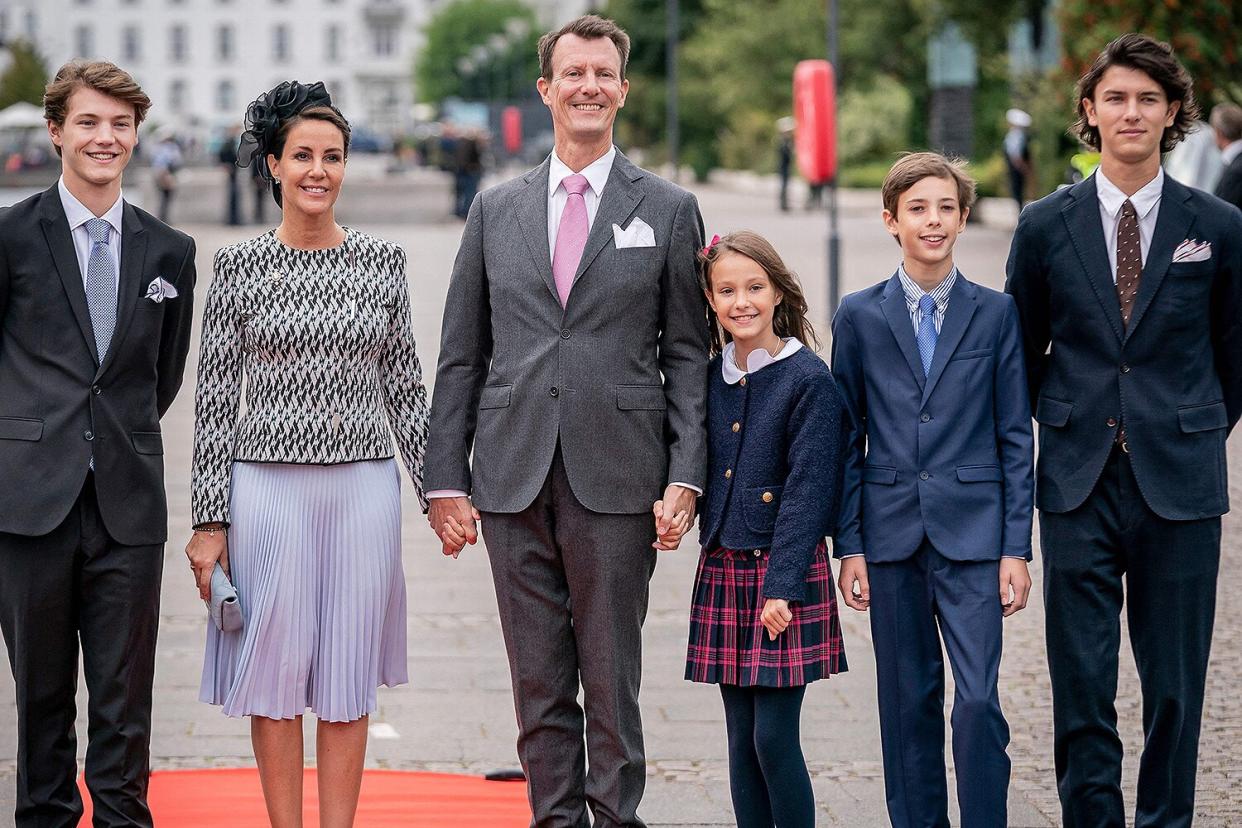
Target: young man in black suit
pixel 95 309
pixel 1129 288
pixel 1227 125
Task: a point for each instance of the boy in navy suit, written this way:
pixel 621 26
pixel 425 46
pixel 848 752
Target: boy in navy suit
pixel 935 530
pixel 1129 286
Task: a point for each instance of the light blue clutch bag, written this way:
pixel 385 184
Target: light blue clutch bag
pixel 224 608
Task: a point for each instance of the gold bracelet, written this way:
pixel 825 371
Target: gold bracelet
pixel 210 532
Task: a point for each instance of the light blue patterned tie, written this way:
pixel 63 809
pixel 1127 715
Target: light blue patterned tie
pixel 927 331
pixel 100 285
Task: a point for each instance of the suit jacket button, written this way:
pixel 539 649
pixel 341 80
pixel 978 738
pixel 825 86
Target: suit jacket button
pixel 1111 422
pixel 96 390
pixel 1125 369
pixel 565 334
pixel 728 473
pixel 925 418
pixel 924 475
pixel 737 427
pixel 757 553
pixel 88 435
pixel 767 497
pixel 556 392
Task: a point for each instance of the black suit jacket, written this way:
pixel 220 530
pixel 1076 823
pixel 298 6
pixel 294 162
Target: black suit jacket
pixel 58 405
pixel 1229 187
pixel 1174 375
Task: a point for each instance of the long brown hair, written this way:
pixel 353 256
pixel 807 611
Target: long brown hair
pixel 790 316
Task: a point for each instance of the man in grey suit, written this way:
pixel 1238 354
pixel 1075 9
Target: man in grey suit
pixel 573 360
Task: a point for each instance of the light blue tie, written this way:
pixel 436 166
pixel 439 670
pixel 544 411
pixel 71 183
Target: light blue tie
pixel 100 286
pixel 927 331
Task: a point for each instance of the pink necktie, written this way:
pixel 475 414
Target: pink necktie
pixel 571 236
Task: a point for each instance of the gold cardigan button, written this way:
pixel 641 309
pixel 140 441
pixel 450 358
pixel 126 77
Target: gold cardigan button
pixel 767 497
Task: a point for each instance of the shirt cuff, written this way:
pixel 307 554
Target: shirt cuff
pixel 694 489
pixel 851 555
pixel 439 493
pixel 1015 557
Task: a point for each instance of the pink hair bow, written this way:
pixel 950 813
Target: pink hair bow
pixel 707 250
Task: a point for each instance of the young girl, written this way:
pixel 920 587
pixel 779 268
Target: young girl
pixel 763 623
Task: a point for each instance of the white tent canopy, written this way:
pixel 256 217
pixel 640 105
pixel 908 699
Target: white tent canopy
pixel 21 115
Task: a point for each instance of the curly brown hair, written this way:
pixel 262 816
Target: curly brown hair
pixel 790 316
pixel 1153 58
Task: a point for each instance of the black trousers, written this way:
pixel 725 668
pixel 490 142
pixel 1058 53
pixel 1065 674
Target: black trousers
pixel 78 585
pixel 572 587
pixel 1114 546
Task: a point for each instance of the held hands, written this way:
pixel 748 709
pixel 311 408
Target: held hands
pixel 776 616
pixel 453 520
pixel 674 515
pixel 204 550
pixel 1015 585
pixel 854 574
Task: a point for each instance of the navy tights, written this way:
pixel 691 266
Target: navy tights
pixel 767 773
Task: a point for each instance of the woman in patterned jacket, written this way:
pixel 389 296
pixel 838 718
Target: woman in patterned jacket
pixel 298 497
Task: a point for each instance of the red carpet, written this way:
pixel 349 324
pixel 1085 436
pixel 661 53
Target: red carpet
pixel 232 798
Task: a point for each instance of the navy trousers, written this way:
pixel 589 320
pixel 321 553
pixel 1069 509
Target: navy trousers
pixel 914 603
pixel 1169 570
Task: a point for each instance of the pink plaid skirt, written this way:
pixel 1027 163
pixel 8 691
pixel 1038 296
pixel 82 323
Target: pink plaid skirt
pixel 728 644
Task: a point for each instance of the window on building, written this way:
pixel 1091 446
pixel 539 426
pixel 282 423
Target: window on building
pixel 84 41
pixel 131 43
pixel 280 42
pixel 178 44
pixel 383 41
pixel 177 96
pixel 224 41
pixel 224 96
pixel 332 48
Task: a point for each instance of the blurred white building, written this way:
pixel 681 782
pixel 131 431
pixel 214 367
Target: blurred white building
pixel 203 61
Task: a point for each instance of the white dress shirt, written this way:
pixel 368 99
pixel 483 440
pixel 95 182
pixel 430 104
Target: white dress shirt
pixel 1231 152
pixel 758 358
pixel 78 214
pixel 596 175
pixel 1146 203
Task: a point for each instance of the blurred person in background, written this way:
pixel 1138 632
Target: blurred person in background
pixel 166 161
pixel 1226 121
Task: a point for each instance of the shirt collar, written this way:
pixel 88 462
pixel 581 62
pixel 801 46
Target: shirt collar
pixel 78 213
pixel 596 172
pixel 1111 198
pixel 939 294
pixel 759 358
pixel 1231 152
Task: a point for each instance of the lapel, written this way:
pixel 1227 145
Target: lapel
pixel 532 216
pixel 621 198
pixel 893 304
pixel 1086 232
pixel 963 301
pixel 1172 226
pixel 60 243
pixel 130 278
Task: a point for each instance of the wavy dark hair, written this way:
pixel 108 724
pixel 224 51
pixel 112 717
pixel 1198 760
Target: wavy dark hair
pixel 1153 58
pixel 270 117
pixel 790 316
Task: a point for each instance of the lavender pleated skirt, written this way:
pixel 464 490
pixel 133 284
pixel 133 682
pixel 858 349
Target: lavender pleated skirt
pixel 315 554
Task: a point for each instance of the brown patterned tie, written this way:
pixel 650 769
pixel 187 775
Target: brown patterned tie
pixel 1129 260
pixel 1129 272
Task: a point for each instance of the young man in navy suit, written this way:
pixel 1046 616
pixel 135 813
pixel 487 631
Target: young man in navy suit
pixel 935 530
pixel 1129 286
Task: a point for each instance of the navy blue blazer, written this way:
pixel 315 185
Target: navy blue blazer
pixel 947 456
pixel 774 443
pixel 1173 375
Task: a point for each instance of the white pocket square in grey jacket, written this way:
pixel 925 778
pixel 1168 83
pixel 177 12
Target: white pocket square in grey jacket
pixel 638 234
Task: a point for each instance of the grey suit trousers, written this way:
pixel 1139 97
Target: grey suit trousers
pixel 572 588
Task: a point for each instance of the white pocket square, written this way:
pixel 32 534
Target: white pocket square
pixel 1192 250
pixel 638 234
pixel 159 290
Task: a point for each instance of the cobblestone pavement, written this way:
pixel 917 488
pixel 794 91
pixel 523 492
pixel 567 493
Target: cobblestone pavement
pixel 457 714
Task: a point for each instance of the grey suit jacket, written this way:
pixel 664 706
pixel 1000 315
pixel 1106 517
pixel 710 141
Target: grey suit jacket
pixel 618 377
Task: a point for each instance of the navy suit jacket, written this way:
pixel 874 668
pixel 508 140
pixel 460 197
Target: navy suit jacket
pixel 946 456
pixel 1173 375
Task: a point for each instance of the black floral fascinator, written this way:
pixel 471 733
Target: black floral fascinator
pixel 267 113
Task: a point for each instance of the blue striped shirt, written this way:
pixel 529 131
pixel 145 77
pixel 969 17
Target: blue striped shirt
pixel 939 295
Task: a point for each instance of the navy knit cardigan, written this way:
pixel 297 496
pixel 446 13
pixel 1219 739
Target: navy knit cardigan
pixel 775 449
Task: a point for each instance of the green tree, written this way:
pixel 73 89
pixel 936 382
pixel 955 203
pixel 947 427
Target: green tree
pixel 461 26
pixel 26 76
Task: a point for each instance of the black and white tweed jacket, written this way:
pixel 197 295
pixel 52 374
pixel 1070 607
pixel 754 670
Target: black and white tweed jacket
pixel 325 342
